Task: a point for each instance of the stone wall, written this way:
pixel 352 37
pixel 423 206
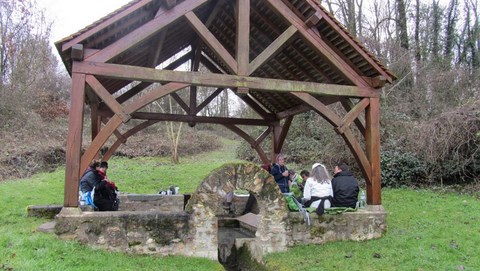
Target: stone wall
pixel 158 224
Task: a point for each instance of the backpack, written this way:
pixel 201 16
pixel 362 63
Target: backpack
pixel 105 196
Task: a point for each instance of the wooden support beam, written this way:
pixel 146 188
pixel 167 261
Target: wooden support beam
pixel 347 134
pixel 146 31
pixel 352 43
pixel 352 115
pixel 256 107
pixel 74 141
pixel 127 134
pixel 250 140
pixel 376 82
pixel 316 43
pixel 153 95
pixel 95 122
pixel 209 39
pixel 77 52
pixel 314 19
pixel 322 109
pixel 272 49
pixel 199 119
pixel 107 98
pixel 99 141
pixel 180 102
pixel 242 36
pixel 372 140
pixel 169 4
pixel 208 100
pixel 112 20
pixel 220 80
pixel 348 104
pixel 284 132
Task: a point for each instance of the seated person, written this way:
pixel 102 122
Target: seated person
pixel 345 187
pixel 106 196
pixel 304 174
pixel 318 188
pixel 280 173
pixel 90 179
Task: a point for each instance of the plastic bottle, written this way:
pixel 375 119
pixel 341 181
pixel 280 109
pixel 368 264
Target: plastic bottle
pixel 363 199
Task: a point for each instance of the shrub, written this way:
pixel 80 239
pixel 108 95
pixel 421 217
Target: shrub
pixel 400 168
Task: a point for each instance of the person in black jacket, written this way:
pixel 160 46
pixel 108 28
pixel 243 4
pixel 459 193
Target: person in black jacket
pixel 345 187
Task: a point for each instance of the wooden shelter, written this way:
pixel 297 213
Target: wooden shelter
pixel 280 57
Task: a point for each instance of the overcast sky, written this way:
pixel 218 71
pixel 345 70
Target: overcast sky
pixel 69 16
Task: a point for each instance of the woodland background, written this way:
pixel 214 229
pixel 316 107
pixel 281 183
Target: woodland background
pixel 430 123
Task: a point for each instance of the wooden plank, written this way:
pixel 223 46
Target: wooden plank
pixel 107 98
pixel 220 80
pixel 352 43
pixel 198 119
pixel 353 114
pixel 154 95
pixel 145 31
pixel 272 49
pixel 211 41
pixel 276 130
pixel 317 43
pixel 74 141
pixel 243 36
pixel 99 141
pixel 372 143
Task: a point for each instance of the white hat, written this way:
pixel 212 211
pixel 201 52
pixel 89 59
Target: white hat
pixel 316 165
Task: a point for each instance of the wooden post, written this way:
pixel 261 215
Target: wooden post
pixel 74 140
pixel 96 122
pixel 372 143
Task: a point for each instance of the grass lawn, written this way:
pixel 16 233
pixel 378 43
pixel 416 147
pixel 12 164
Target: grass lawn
pixel 426 230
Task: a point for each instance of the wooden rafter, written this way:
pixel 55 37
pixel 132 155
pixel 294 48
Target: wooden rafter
pixel 112 20
pixel 253 143
pixel 209 39
pixel 136 36
pixel 317 43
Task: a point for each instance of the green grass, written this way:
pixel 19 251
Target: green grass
pixel 426 230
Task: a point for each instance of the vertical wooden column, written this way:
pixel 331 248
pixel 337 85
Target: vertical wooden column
pixel 243 39
pixel 74 140
pixel 276 131
pixel 96 122
pixel 372 140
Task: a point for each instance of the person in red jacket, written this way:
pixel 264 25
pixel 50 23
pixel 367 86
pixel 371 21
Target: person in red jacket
pixel 345 187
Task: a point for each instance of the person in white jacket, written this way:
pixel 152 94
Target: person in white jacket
pixel 318 187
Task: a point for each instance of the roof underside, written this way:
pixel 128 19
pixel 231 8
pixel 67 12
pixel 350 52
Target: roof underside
pixel 297 60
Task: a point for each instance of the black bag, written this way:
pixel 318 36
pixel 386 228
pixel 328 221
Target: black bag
pixel 105 196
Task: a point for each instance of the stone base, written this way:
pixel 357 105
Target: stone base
pixel 364 224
